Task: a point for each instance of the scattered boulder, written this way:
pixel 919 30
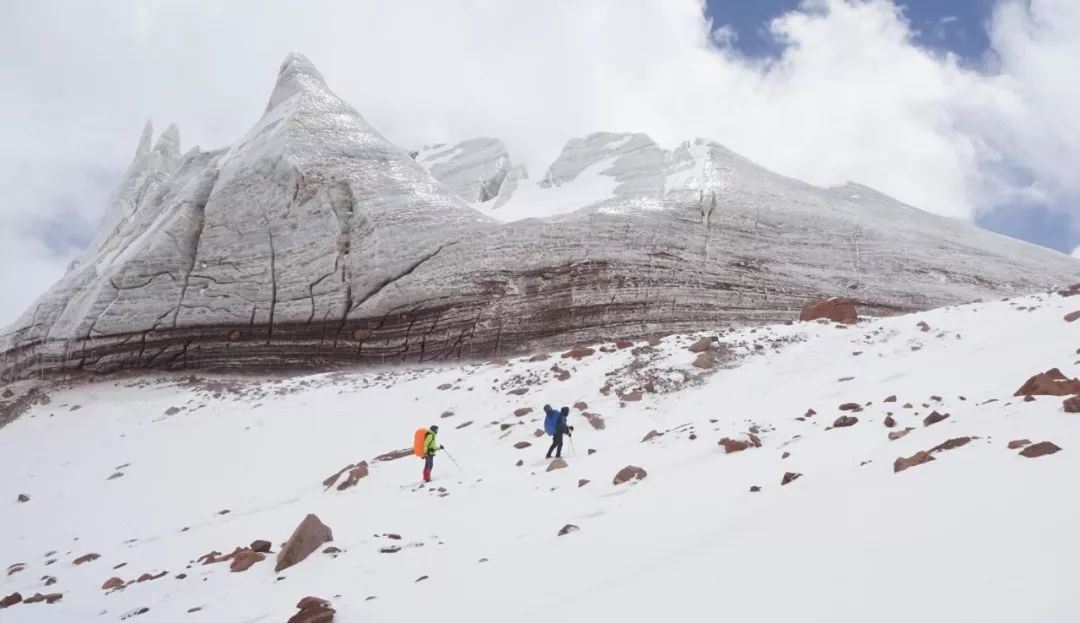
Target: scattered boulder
pixel 628 474
pixel 15 568
pixel 331 480
pixel 594 420
pixel 522 412
pixel 243 560
pixel 810 413
pixel 521 445
pixel 934 418
pixel 556 464
pixel 923 327
pixel 851 406
pixel 1039 449
pixel 623 344
pixel 150 577
pixel 1072 290
pixel 653 340
pixel 703 345
pixel 540 357
pixel 22 498
pixel 37 598
pixel 355 474
pixel 653 434
pixel 897 434
pixel 581 405
pixel 86 558
pixel 560 374
pixel 734 445
pixel 390 549
pixel 634 396
pixel 920 457
pixel 1016 444
pixel 836 309
pixel 313 610
pixel 1071 405
pixel 172 411
pixel 463 424
pixel 1071 316
pixel 755 489
pixel 578 353
pixel 521 391
pixel 889 421
pixel 705 361
pixel 1049 383
pixel 260 546
pixel 444 387
pixel 394 455
pixel 845 420
pixel 890 398
pixel 955 442
pixel 567 529
pixel 582 482
pixel 11 599
pixel 1029 398
pixel 789 477
pixel 331 551
pixel 305 539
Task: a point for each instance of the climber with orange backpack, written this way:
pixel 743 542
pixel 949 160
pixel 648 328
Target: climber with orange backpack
pixel 424 446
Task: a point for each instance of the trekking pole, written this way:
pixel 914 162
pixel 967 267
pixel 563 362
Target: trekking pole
pixel 573 450
pixel 451 459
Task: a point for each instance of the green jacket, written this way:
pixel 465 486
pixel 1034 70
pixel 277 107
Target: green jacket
pixel 430 445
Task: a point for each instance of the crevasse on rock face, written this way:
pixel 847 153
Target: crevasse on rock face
pixel 314 241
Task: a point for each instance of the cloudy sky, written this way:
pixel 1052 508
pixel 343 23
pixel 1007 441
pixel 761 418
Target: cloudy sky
pixel 965 108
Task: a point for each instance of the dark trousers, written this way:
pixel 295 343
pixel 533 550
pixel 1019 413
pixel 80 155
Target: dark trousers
pixel 556 446
pixel 429 462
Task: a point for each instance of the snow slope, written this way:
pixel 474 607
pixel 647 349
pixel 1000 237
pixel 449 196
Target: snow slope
pixel 980 533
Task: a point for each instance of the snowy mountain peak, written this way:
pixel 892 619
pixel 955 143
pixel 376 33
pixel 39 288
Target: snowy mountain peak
pixel 314 241
pixel 296 75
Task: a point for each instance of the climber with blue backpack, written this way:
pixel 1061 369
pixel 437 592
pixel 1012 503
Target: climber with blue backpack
pixel 555 425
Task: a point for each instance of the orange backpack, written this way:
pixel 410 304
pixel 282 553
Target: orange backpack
pixel 419 437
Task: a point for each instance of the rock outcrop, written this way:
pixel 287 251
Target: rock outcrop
pixel 836 309
pixel 313 242
pixel 1050 383
pixel 308 536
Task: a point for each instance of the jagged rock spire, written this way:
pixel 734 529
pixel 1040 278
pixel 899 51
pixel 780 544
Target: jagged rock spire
pixel 296 75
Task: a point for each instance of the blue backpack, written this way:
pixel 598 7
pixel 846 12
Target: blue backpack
pixel 551 420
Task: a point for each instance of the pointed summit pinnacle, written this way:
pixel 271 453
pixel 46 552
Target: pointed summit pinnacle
pixel 146 140
pixel 297 74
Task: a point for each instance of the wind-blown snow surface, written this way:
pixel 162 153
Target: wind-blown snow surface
pixel 979 534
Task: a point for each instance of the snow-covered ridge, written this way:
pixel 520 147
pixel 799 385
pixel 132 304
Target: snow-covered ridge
pixel 314 242
pixel 906 455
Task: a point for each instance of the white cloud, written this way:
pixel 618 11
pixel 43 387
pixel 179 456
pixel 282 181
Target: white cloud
pixel 1076 252
pixel 851 97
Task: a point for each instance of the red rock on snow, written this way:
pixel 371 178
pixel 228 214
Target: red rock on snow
pixel 355 474
pixel 313 610
pixel 1019 443
pixel 934 418
pixel 243 560
pixel 305 539
pixel 789 477
pixel 578 353
pixel 1049 383
pixel 844 421
pixel 837 309
pixel 920 457
pixel 1071 405
pixel 629 473
pixel 1039 449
